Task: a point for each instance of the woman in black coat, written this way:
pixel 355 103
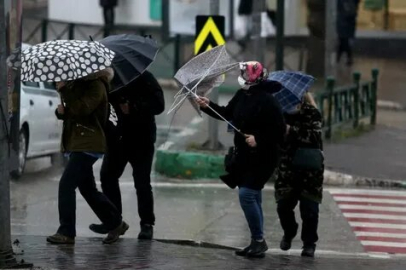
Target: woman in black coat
pixel 256 113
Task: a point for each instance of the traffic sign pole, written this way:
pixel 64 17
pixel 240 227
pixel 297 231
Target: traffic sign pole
pixel 213 140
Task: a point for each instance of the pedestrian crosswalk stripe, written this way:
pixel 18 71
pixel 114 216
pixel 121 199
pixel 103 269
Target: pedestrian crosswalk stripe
pixel 357 199
pixel 383 244
pixel 356 192
pixel 380 234
pixel 378 218
pixel 382 239
pixel 362 215
pixel 400 209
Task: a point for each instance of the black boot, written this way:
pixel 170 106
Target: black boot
pixel 147 232
pixel 244 251
pixel 286 243
pixel 309 250
pixel 257 249
pixel 98 228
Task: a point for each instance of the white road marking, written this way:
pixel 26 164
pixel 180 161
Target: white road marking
pixel 373 208
pixel 377 225
pixel 367 192
pixel 379 234
pixel 383 244
pixel 373 216
pixel 370 200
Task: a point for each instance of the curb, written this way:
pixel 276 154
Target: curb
pixel 193 165
pixel 390 105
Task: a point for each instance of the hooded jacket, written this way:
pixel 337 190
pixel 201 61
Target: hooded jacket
pixel 86 112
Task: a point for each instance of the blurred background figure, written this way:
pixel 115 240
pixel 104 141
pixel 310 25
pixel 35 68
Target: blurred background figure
pixel 108 14
pixel 244 22
pixel 347 11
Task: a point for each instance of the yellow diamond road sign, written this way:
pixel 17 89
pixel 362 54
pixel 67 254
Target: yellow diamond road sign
pixel 209 33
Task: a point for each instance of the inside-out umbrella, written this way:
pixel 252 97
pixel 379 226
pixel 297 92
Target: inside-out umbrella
pixel 294 86
pixel 64 60
pixel 134 54
pixel 201 74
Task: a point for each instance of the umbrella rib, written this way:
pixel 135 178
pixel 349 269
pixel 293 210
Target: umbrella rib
pixel 218 114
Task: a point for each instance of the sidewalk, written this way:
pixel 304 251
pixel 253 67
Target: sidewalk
pixel 89 253
pixel 376 155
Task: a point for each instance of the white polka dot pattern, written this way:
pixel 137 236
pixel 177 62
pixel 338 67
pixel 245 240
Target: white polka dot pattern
pixel 64 60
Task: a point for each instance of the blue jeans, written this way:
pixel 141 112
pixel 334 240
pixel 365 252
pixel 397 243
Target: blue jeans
pixel 251 204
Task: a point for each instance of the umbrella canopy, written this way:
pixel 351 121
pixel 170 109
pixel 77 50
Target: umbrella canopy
pixel 294 86
pixel 64 60
pixel 201 74
pixel 134 54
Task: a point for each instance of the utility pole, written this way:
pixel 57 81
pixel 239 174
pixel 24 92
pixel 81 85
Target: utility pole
pixel 258 16
pixel 6 250
pixel 213 141
pixel 280 32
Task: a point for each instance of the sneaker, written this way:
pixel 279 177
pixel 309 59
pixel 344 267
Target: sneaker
pixel 243 252
pixel 59 239
pixel 98 228
pixel 309 250
pixel 115 234
pixel 257 249
pixel 147 232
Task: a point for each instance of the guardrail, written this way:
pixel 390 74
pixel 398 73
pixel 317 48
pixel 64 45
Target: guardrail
pixel 348 104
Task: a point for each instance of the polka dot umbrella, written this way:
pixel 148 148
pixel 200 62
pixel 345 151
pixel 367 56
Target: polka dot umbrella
pixel 64 60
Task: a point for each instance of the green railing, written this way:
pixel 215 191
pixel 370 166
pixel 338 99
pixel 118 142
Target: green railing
pixel 348 104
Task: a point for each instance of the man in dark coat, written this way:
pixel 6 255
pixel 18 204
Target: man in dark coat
pixel 108 14
pixel 136 105
pixel 347 11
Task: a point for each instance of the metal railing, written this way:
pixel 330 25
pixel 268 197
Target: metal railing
pixel 348 104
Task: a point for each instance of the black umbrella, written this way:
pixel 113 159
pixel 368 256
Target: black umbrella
pixel 134 54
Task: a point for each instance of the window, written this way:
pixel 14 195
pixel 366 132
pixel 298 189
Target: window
pixel 49 85
pixel 31 84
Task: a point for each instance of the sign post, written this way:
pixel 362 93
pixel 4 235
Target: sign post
pixel 210 32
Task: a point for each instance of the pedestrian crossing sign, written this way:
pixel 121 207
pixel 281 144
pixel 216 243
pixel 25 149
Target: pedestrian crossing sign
pixel 209 32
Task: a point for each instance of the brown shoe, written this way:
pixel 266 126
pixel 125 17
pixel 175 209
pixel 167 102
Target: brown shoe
pixel 59 239
pixel 115 234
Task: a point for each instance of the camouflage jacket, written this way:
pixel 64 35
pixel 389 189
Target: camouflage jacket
pixel 305 131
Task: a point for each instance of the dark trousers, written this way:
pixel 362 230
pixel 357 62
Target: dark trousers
pixel 109 16
pixel 309 211
pixel 140 157
pixel 345 46
pixel 79 174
